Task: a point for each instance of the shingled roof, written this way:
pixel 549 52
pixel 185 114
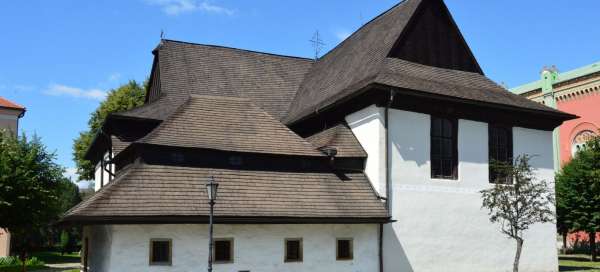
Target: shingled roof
pixel 341 138
pixel 228 124
pixel 364 58
pixel 149 192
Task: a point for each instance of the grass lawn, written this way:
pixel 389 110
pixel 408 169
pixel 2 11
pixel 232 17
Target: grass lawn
pixel 53 257
pixel 577 263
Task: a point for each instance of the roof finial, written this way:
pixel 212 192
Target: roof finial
pixel 162 34
pixel 317 44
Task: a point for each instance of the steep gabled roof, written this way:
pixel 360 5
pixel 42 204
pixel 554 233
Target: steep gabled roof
pixel 374 55
pixel 228 124
pixel 151 192
pixel 269 80
pixel 341 138
pixel 356 59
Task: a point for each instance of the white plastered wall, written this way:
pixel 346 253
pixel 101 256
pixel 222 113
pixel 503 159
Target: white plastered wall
pixel 440 225
pixel 256 247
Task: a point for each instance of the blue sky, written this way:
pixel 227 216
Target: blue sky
pixel 58 58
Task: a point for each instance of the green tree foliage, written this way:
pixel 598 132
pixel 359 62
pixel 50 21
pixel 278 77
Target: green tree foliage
pixel 578 192
pixel 30 183
pixel 123 98
pixel 517 206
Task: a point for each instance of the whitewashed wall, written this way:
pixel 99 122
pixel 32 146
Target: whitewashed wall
pixel 440 224
pixel 99 177
pixel 368 127
pixel 257 248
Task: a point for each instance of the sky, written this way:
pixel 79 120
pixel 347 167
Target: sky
pixel 59 58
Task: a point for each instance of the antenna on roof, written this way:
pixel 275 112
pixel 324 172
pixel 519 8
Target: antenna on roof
pixel 317 44
pixel 162 34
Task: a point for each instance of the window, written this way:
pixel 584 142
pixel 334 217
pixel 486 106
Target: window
pixel 223 251
pixel 293 250
pixel 160 251
pixel 444 153
pixel 500 151
pixel 344 249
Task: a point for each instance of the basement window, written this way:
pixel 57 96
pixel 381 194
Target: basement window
pixel 344 250
pixel 444 152
pixel 160 251
pixel 293 250
pixel 223 251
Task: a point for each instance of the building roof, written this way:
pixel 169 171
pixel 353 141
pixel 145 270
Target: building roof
pixel 363 59
pixel 5 103
pixel 562 77
pixel 228 124
pixel 149 192
pixel 341 138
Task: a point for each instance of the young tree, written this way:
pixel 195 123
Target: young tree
pixel 29 189
pixel 519 205
pixel 578 192
pixel 123 98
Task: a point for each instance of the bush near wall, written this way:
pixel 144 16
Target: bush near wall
pixel 13 264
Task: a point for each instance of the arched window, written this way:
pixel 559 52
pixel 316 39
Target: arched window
pixel 580 139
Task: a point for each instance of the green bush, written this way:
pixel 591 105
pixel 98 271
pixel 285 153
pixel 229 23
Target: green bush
pixel 12 263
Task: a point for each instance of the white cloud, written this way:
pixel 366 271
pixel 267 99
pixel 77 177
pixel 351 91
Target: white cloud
pixel 342 34
pixel 114 77
pixel 59 89
pixel 176 7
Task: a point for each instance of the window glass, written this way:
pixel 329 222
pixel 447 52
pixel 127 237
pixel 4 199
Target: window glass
pixel 223 251
pixel 293 250
pixel 344 249
pixel 160 252
pixel 444 156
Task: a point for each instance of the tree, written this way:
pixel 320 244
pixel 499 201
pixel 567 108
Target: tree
pixel 29 189
pixel 519 205
pixel 578 192
pixel 125 97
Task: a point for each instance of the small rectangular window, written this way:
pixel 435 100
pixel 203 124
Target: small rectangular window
pixel 500 152
pixel 293 250
pixel 223 251
pixel 344 249
pixel 444 152
pixel 160 251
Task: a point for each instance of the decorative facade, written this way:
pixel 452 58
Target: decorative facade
pixel 576 92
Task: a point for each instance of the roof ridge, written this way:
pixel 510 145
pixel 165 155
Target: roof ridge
pixel 239 49
pixel 363 26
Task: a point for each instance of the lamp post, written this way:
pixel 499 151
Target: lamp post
pixel 211 190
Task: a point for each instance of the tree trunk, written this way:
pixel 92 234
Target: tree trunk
pixel 592 236
pixel 23 258
pixel 518 255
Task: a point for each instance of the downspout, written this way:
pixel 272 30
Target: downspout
pixel 387 149
pixel 387 175
pixel 380 240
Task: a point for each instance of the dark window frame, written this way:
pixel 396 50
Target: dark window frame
pixel 151 252
pixel 300 250
pixel 231 251
pixel 350 249
pixel 493 128
pixel 454 156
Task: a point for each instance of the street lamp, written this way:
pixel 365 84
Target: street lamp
pixel 211 190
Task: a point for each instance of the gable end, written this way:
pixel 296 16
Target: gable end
pixel 432 38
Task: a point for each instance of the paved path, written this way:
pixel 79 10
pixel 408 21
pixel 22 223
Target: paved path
pixel 59 267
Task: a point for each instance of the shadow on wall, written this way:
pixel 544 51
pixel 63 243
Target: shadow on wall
pixel 394 256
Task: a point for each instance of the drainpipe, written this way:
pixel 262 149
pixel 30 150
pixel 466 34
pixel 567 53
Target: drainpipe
pixel 380 240
pixel 387 150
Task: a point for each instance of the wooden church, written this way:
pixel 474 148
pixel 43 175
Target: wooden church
pixel 370 158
